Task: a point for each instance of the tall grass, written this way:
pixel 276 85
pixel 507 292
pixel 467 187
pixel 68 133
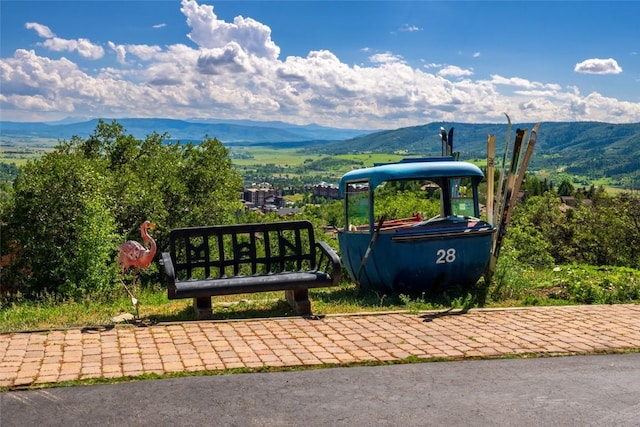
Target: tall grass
pixel 512 285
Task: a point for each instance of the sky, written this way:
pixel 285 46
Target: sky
pixel 345 64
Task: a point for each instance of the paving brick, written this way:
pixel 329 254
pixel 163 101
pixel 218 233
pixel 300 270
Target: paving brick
pixel 28 358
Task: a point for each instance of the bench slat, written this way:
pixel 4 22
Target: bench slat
pixel 248 284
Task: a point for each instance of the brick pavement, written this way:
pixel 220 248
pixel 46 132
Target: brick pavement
pixel 37 358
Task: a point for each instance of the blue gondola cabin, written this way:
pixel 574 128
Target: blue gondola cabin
pixel 445 245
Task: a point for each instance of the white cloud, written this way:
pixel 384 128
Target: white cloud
pixel 385 58
pixel 598 66
pixel 84 47
pixel 120 50
pixel 42 30
pixel 159 26
pixel 234 71
pixel 476 54
pixel 144 52
pixel 516 81
pixel 209 32
pixel 228 59
pixel 409 28
pixel 453 71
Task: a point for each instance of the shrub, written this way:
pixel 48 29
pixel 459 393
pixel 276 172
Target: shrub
pixel 72 207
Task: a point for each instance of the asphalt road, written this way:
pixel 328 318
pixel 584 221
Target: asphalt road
pixel 598 390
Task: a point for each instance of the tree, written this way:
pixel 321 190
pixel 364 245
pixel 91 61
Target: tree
pixel 565 188
pixel 537 232
pixel 213 186
pixel 73 206
pixel 57 199
pixel 603 233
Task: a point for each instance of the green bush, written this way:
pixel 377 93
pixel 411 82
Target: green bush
pixel 70 208
pixel 605 232
pixel 91 270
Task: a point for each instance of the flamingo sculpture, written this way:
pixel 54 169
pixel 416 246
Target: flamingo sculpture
pixel 136 255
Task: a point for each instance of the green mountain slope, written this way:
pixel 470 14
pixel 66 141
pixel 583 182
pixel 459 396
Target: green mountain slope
pixel 595 150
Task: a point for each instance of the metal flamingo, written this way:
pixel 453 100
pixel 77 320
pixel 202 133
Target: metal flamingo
pixel 135 255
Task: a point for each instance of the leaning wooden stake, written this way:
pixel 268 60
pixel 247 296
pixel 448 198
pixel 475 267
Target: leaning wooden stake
pixel 504 204
pixel 491 160
pixel 525 161
pixel 503 166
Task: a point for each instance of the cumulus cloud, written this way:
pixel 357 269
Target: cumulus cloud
pixel 385 58
pixel 228 59
pixel 598 66
pixel 84 47
pixel 453 71
pixel 515 81
pixel 33 82
pixel 120 50
pixel 42 30
pixel 233 70
pixel 143 51
pixel 207 31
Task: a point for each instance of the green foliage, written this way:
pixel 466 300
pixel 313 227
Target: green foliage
pixel 405 203
pixel 90 271
pixel 53 196
pixel 8 171
pixel 6 203
pixel 330 212
pixel 73 205
pixel 584 284
pixel 565 188
pixel 328 163
pixel 67 211
pixel 509 281
pixel 529 247
pixel 532 185
pixel 605 231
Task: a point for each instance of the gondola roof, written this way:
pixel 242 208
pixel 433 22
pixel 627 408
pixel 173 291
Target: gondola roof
pixel 411 169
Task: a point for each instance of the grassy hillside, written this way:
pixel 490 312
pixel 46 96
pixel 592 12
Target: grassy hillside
pixel 589 149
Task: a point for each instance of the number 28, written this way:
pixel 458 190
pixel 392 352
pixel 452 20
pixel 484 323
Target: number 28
pixel 445 256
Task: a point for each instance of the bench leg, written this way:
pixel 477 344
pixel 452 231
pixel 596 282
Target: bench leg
pixel 299 300
pixel 202 307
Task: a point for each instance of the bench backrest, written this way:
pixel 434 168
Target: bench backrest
pixel 242 249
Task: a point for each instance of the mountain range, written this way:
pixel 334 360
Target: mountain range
pixel 227 131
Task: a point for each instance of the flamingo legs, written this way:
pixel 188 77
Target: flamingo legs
pixel 134 300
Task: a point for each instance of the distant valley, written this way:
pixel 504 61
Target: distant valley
pixel 586 151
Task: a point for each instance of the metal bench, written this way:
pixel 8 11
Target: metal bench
pixel 247 258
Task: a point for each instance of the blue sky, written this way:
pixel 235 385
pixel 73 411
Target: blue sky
pixel 349 64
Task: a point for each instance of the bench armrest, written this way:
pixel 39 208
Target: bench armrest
pixel 329 261
pixel 169 272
